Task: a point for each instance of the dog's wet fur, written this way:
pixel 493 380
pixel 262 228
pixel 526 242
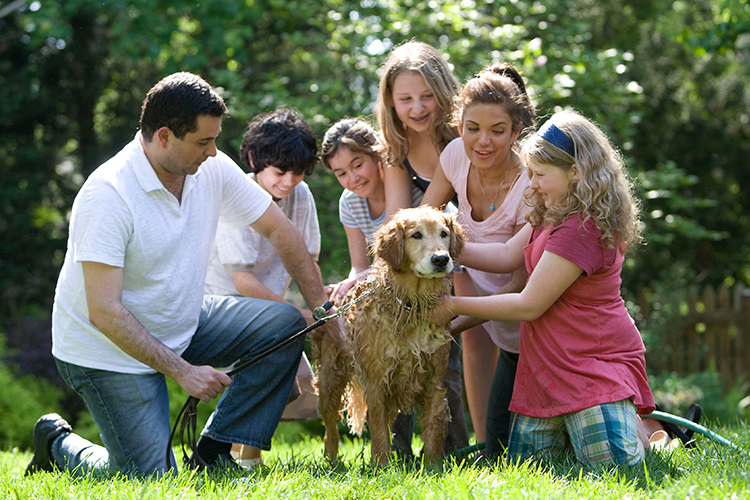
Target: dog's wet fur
pixel 399 358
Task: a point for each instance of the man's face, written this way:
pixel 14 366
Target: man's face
pixel 184 156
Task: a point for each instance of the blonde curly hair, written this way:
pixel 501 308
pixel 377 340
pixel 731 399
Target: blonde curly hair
pixel 425 60
pixel 603 192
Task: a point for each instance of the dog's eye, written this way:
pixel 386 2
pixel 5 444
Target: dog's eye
pixel 444 234
pixel 417 235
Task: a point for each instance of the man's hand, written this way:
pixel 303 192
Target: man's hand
pixel 331 330
pixel 308 315
pixel 203 382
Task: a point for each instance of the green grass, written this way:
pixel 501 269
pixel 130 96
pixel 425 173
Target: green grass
pixel 297 470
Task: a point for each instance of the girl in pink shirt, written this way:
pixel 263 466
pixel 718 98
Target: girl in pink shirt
pixel 581 378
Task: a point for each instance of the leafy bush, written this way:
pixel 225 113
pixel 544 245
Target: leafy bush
pixel 22 400
pixel 675 393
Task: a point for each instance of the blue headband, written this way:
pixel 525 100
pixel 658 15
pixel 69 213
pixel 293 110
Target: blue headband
pixel 558 138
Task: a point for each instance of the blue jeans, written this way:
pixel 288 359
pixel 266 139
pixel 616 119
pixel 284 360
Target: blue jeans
pixel 132 411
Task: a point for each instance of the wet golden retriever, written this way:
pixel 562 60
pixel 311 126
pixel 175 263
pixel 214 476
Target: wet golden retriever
pixel 400 358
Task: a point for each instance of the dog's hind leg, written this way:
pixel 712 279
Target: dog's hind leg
pixel 334 373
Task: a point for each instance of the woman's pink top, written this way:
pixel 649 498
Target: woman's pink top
pixel 585 349
pixel 498 227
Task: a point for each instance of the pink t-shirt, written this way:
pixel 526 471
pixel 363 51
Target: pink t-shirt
pixel 498 227
pixel 585 349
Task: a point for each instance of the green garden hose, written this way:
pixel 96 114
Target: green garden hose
pixel 656 415
pixel 465 452
pixel 689 424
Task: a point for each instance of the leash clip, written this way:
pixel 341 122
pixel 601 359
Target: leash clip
pixel 321 312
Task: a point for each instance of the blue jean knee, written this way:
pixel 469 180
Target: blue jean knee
pixel 131 412
pixel 234 330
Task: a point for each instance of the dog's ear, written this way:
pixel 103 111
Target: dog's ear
pixel 389 243
pixel 458 238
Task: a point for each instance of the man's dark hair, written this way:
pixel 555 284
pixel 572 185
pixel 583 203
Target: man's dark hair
pixel 176 102
pixel 280 139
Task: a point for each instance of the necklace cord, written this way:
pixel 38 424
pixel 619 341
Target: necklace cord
pixel 497 193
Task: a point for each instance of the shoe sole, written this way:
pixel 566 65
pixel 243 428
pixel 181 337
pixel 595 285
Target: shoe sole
pixel 43 440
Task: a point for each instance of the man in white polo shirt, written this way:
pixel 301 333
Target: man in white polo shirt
pixel 129 305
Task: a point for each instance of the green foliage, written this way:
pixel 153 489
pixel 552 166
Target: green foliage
pixel 696 119
pixel 670 83
pixel 23 399
pixel 675 394
pixel 672 211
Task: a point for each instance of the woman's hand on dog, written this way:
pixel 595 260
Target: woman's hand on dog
pixel 442 313
pixel 337 292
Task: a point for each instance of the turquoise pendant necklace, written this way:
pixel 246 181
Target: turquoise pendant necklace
pixel 492 203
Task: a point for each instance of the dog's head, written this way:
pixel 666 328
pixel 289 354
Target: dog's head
pixel 421 240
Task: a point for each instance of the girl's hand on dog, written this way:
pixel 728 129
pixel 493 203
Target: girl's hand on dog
pixel 442 313
pixel 338 291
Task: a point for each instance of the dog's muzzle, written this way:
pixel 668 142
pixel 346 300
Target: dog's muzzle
pixel 437 266
pixel 440 262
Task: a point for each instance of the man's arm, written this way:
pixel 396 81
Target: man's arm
pixel 104 298
pixel 249 286
pixel 291 249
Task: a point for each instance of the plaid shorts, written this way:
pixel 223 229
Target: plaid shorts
pixel 603 434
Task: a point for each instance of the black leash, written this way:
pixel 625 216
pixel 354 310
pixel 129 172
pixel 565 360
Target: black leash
pixel 188 414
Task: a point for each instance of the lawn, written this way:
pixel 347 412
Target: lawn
pixel 297 470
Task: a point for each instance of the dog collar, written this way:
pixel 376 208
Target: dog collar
pixel 406 305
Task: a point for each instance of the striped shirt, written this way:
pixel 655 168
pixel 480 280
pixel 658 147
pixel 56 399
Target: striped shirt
pixel 355 213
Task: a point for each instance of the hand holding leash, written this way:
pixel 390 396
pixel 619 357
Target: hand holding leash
pixel 187 418
pixel 203 382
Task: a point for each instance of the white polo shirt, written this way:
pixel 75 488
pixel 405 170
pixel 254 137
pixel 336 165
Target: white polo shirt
pixel 124 217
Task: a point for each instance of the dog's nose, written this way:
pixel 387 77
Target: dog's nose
pixel 440 261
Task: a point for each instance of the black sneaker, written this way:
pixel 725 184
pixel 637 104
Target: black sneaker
pixel 685 435
pixel 223 462
pixel 46 429
pixel 401 434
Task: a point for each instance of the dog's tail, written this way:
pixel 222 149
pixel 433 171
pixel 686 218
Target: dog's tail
pixel 356 407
